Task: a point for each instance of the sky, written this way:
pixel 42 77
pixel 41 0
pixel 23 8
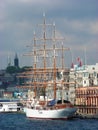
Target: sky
pixel 76 21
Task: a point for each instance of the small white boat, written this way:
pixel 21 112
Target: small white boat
pixel 10 106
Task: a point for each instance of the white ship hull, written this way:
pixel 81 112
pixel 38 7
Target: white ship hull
pixel 64 113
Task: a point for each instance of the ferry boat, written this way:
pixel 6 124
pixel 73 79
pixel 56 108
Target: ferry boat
pixel 7 105
pixel 46 78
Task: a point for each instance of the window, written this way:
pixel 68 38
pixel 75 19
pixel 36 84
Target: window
pixel 84 81
pixel 93 68
pixel 85 74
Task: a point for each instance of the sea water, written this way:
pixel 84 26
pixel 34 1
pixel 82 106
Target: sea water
pixel 18 121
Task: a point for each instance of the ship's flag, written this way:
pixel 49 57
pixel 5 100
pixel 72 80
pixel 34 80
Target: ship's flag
pixel 72 65
pixel 80 63
pixel 78 59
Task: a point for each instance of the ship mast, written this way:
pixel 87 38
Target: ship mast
pixel 35 58
pixel 39 75
pixel 44 38
pixel 54 61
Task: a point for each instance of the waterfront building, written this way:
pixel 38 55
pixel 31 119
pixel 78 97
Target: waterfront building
pixel 85 75
pixel 7 95
pixel 87 100
pixel 86 88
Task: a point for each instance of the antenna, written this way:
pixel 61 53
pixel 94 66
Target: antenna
pixel 85 56
pixel 43 14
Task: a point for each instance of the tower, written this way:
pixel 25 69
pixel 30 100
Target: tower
pixel 9 61
pixel 16 61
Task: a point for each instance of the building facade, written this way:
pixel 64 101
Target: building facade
pixel 85 88
pixel 87 100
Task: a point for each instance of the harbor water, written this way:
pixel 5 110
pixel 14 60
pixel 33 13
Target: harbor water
pixel 18 121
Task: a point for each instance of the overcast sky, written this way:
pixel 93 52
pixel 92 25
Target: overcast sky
pixel 76 20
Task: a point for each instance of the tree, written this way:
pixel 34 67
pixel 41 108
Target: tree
pixel 12 69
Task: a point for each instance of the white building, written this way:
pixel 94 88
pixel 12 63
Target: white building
pixel 84 76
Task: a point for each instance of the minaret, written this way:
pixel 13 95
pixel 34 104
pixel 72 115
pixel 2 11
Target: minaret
pixel 16 61
pixel 9 61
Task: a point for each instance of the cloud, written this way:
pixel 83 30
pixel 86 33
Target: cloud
pixel 90 27
pixel 94 27
pixel 76 20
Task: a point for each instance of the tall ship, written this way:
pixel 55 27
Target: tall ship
pixel 46 79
